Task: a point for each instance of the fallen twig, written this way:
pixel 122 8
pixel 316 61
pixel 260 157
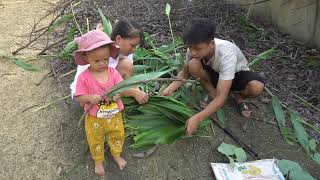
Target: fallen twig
pixel 37 109
pixel 306 102
pixel 56 76
pixel 41 34
pixel 70 72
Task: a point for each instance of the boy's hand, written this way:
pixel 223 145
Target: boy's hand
pixel 140 96
pixel 166 92
pixel 116 97
pixel 94 99
pixel 192 125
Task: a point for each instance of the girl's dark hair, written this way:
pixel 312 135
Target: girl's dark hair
pixel 198 30
pixel 127 28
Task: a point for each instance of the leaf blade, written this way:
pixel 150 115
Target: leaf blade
pixel 25 65
pixel 168 9
pixel 107 27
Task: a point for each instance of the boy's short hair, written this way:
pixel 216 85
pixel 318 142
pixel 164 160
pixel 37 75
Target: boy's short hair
pixel 198 30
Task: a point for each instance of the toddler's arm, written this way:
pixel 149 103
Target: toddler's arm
pixel 89 99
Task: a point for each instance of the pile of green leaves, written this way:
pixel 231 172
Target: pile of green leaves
pixel 160 121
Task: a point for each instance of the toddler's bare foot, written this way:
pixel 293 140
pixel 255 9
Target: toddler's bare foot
pixel 121 162
pixel 99 169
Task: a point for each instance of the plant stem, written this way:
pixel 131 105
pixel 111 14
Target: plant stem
pixel 306 102
pixel 175 51
pixel 51 103
pixel 88 26
pixel 75 20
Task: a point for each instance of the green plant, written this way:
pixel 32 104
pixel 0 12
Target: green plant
pixel 62 20
pixel 298 133
pixel 221 115
pixel 136 80
pixel 25 65
pixel 159 58
pixel 293 170
pixel 251 28
pixel 167 12
pixel 313 62
pixel 280 117
pixel 233 153
pixel 107 27
pixel 160 121
pixel 308 144
pixel 263 56
pixel 68 50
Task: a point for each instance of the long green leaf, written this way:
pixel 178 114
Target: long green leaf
pixel 278 111
pixel 144 122
pixel 140 68
pixel 107 27
pixel 288 135
pixel 316 157
pixel 240 155
pixel 69 49
pixel 299 131
pixel 280 117
pixel 25 65
pixel 168 9
pixel 293 170
pixel 70 35
pixel 170 48
pixel 221 116
pixel 60 21
pixel 230 150
pixel 134 81
pixel 313 144
pixel 227 149
pixel 263 56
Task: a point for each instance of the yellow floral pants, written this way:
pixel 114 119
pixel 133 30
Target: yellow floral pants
pixel 97 129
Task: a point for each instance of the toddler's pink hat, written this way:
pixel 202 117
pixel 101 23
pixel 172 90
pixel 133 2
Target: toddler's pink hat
pixel 92 40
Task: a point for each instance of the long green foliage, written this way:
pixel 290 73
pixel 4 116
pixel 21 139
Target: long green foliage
pixel 160 121
pixel 25 65
pixel 135 81
pixel 304 140
pixel 293 170
pixel 107 27
pixel 298 133
pixel 281 119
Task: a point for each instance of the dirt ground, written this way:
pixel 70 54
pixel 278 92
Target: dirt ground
pixel 48 144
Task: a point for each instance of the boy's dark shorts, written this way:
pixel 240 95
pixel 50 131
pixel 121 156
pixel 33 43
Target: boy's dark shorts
pixel 240 81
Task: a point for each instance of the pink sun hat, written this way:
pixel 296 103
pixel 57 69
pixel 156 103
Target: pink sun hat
pixel 93 40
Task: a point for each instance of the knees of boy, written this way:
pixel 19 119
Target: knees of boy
pixel 255 88
pixel 125 68
pixel 195 68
